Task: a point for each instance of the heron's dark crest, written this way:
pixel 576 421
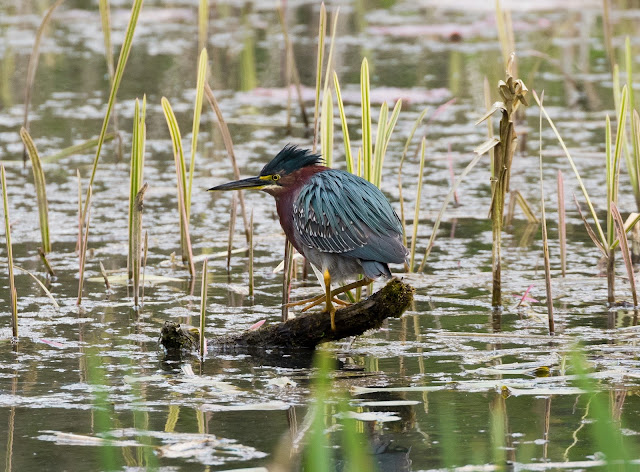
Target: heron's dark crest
pixel 290 159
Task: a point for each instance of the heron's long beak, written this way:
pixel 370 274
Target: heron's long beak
pixel 250 183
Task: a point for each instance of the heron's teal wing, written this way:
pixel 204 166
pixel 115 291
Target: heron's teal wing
pixel 338 212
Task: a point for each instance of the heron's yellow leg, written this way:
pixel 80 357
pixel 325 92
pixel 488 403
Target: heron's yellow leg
pixel 329 303
pixel 320 298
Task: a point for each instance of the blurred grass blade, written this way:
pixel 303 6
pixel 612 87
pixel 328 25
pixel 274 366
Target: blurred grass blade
pixel 624 248
pixel 329 68
pixel 525 207
pixel 326 127
pixel 45 261
pixel 447 199
pixel 416 216
pixel 228 144
pixel 105 16
pixel 203 309
pixel 203 24
pixel 562 225
pixel 41 190
pixel 322 31
pixel 33 63
pixel 590 231
pixel 122 61
pixel 13 296
pixel 345 128
pixel 197 112
pixel 575 171
pixel 42 286
pixel 76 148
pixel 366 119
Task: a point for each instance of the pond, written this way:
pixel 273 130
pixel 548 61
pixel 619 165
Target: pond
pixel 450 383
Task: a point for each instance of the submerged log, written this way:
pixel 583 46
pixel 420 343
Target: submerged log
pixel 305 331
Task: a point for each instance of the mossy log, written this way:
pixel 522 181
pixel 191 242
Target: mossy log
pixel 307 330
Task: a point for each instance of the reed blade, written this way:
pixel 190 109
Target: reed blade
pixel 592 210
pixel 367 150
pixel 326 128
pixel 203 24
pixel 136 175
pixel 251 284
pixel 42 286
pixel 117 78
pixel 379 145
pixel 41 189
pixel 445 204
pixel 322 31
pixel 197 112
pixel 545 239
pixel 345 127
pixel 83 247
pixel 181 186
pixel 232 226
pixel 13 296
pixel 76 149
pixel 33 64
pixel 416 124
pixel 624 248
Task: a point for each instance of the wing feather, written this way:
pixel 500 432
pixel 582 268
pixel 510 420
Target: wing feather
pixel 338 212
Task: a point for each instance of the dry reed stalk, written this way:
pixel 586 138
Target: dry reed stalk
pixel 232 225
pixel 513 93
pixel 228 143
pixel 545 239
pixel 251 285
pixel 83 247
pixel 203 308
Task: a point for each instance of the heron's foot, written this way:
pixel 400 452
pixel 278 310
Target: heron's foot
pixel 332 313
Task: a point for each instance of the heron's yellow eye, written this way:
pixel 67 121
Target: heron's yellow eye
pixel 275 177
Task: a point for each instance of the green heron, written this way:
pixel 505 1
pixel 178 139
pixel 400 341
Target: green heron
pixel 342 224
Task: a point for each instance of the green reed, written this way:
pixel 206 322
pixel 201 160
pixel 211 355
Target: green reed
pixel 322 31
pixel 416 125
pixel 181 184
pixel 105 16
pixel 136 176
pixel 115 85
pixel 13 295
pixel 203 24
pixel 41 190
pixel 605 242
pixel 77 148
